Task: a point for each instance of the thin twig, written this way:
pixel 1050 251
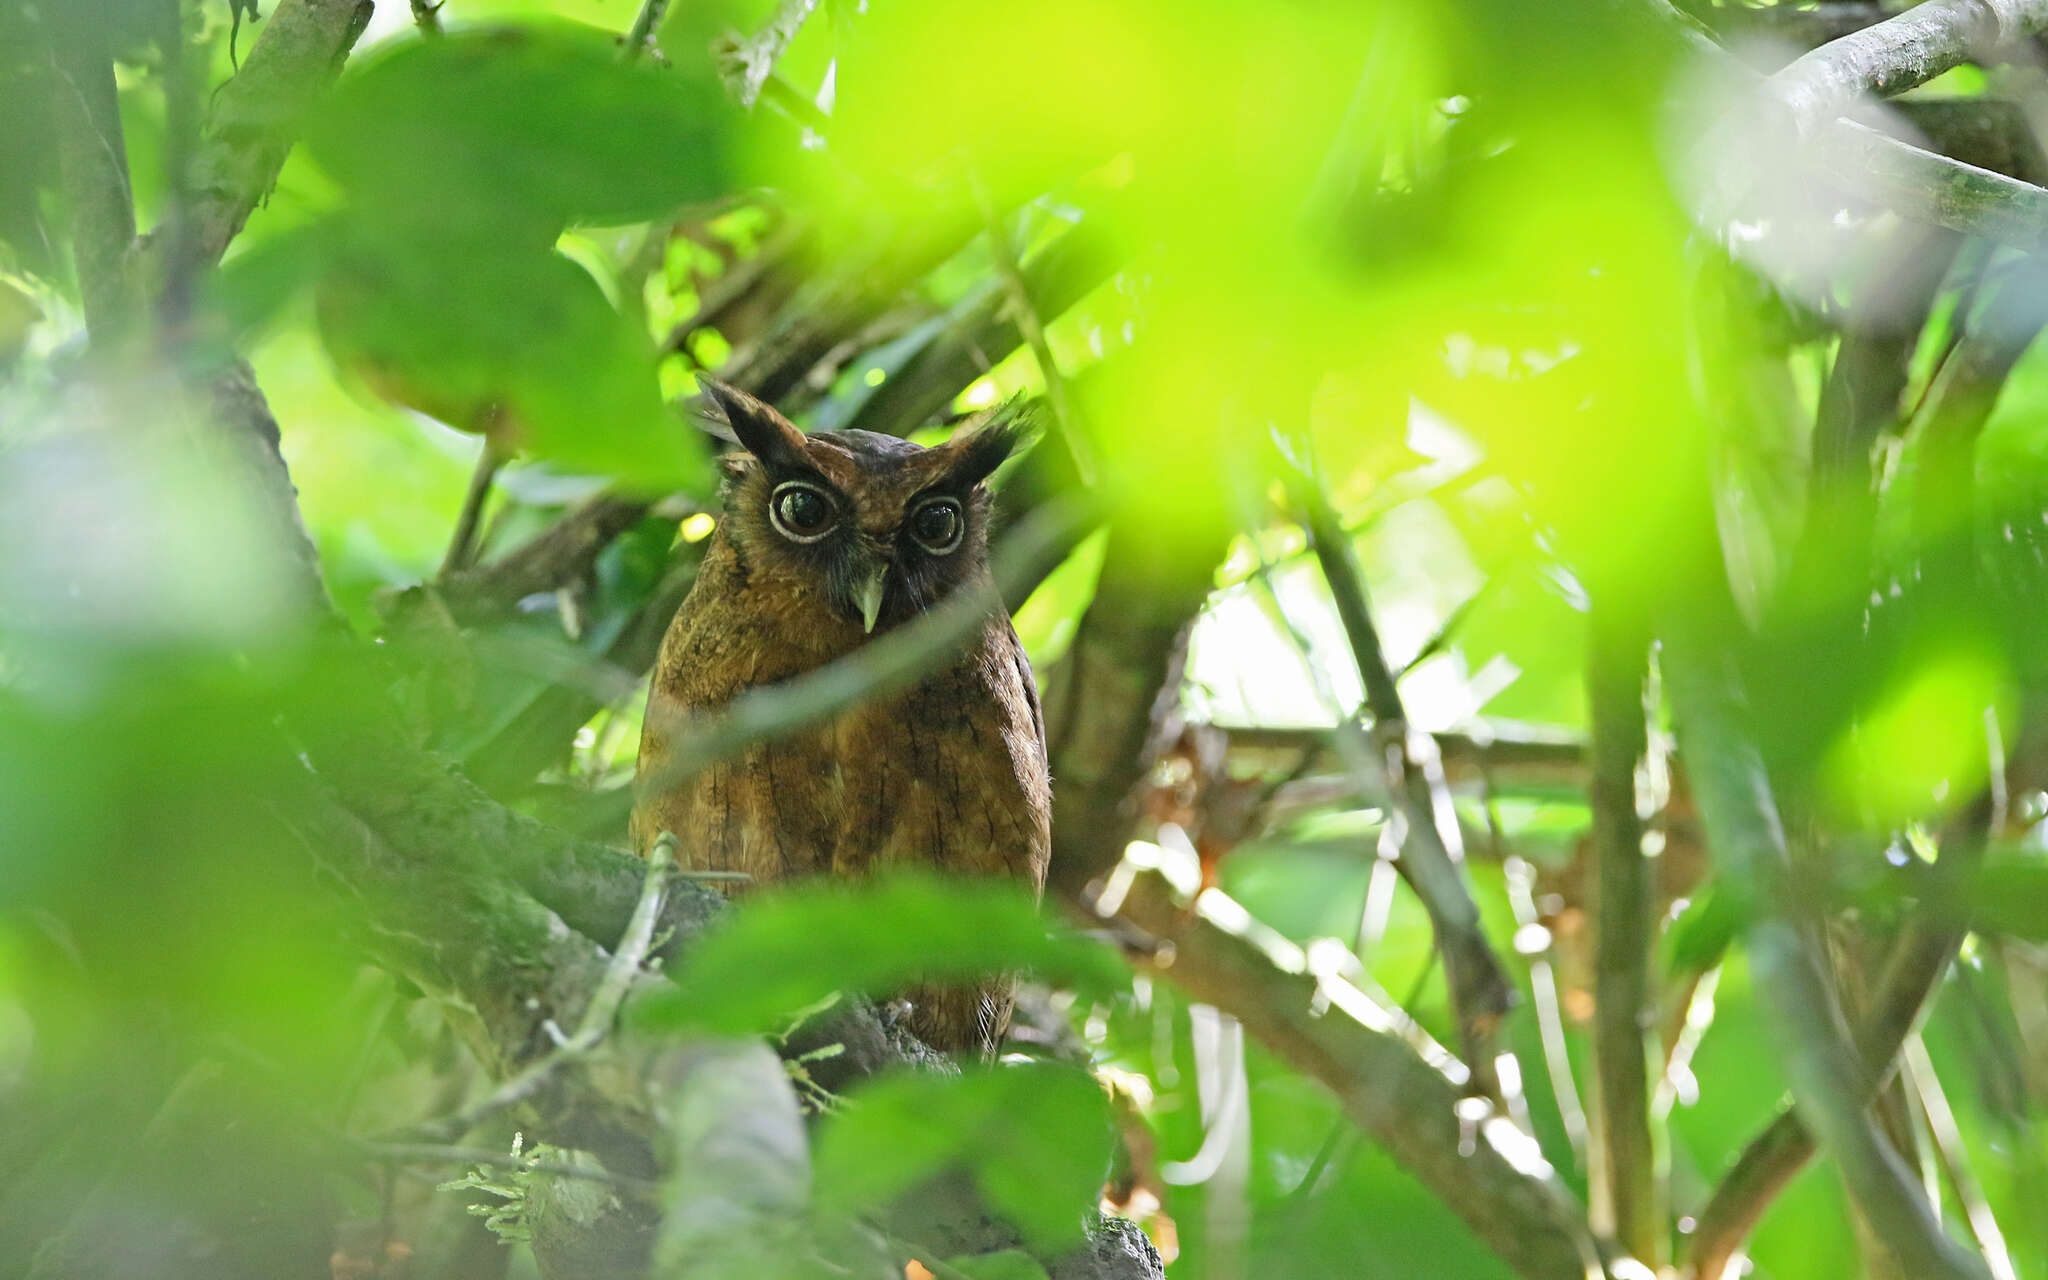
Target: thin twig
pixel 1430 844
pixel 598 1014
pixel 427 16
pixel 431 1153
pixel 462 542
pixel 1748 840
pixel 1623 1172
pixel 1401 1090
pixel 1955 1157
pixel 1004 250
pixel 1770 1160
pixel 93 168
pixel 643 26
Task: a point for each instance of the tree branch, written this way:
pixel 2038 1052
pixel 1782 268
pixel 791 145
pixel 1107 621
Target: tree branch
pixel 1473 1159
pixel 1915 182
pixel 1626 1199
pixel 1114 701
pixel 92 161
pixel 1479 990
pixel 255 116
pixel 1897 54
pixel 1771 1159
pixel 1748 840
pixel 982 329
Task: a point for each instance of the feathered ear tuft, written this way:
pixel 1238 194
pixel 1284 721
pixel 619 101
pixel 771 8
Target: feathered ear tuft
pixel 754 426
pixel 981 446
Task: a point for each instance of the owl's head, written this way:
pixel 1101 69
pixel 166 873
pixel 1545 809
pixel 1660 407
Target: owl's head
pixel 882 528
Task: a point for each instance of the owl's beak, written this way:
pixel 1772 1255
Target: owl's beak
pixel 868 595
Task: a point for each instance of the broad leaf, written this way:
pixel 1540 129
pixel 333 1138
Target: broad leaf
pixel 1034 1139
pixel 787 950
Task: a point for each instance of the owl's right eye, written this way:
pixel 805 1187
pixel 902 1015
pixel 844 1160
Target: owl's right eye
pixel 802 512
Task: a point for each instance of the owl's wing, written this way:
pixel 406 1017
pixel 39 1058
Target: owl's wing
pixel 1022 663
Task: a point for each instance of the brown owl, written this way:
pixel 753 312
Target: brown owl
pixel 826 541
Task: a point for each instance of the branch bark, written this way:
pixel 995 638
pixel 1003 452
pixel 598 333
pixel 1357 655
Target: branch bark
pixel 255 116
pixel 1748 841
pixel 1479 990
pixel 1625 1190
pixel 1898 54
pixel 1114 701
pixel 1771 1159
pixel 92 160
pixel 1484 1169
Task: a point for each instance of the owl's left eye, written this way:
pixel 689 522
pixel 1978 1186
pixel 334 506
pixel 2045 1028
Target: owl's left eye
pixel 937 526
pixel 802 512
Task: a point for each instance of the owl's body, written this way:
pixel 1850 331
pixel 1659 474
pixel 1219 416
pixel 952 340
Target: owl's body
pixel 948 775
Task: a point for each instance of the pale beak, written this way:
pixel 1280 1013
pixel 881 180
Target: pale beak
pixel 868 595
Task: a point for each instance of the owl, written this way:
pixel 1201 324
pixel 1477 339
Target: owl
pixel 827 542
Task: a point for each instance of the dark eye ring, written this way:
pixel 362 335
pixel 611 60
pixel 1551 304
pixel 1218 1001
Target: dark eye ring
pixel 801 511
pixel 938 526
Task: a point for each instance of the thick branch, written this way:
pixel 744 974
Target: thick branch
pixel 1484 1169
pixel 92 161
pixel 1898 54
pixel 1114 700
pixel 1917 183
pixel 255 116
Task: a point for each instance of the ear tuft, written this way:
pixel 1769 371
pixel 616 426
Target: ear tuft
pixel 981 446
pixel 756 427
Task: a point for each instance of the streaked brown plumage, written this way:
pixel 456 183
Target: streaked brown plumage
pixel 949 774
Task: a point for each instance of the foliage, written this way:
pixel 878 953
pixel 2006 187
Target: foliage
pixel 1639 412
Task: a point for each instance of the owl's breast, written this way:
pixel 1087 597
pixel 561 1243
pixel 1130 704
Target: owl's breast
pixel 948 774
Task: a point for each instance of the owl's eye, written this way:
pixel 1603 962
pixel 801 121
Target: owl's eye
pixel 937 526
pixel 802 512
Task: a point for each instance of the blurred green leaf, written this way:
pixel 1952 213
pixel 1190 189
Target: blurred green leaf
pixel 520 344
pixel 1696 941
pixel 1034 1138
pixel 788 949
pixel 522 128
pixel 2012 898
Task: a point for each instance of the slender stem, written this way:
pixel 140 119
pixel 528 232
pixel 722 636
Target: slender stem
pixel 1008 269
pixel 1430 844
pixel 1770 1160
pixel 1624 1177
pixel 1400 1089
pixel 1955 1157
pixel 598 1014
pixel 643 26
pixel 93 168
pixel 1748 840
pixel 462 543
pixel 426 15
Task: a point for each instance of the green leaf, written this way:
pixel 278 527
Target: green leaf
pixel 518 343
pixel 2012 898
pixel 530 126
pixel 788 949
pixel 1698 939
pixel 1034 1139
